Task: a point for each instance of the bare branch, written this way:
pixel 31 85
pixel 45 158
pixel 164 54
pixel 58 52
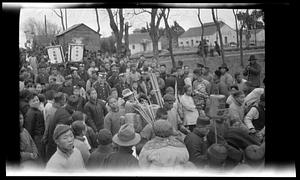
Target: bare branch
pixel 56 13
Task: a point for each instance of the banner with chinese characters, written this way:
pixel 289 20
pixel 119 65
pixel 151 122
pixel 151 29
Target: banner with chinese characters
pixel 75 52
pixel 55 54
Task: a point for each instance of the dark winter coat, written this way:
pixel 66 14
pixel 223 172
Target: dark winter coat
pixel 96 111
pixel 253 74
pixel 24 106
pixel 97 158
pixel 196 147
pixel 34 122
pixel 121 159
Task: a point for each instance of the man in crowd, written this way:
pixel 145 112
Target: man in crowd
pixel 253 71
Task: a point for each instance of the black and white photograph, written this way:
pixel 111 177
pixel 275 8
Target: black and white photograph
pixel 168 90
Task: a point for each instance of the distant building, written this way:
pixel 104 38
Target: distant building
pixel 80 33
pixel 192 37
pixel 260 37
pixel 141 42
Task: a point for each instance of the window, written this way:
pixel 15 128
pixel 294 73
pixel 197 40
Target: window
pixel 197 41
pixel 187 42
pixel 181 42
pixel 133 47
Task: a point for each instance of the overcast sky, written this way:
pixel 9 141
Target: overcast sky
pixel 186 17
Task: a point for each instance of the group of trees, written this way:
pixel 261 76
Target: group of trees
pixel 244 20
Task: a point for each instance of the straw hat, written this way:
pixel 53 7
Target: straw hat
pixel 126 92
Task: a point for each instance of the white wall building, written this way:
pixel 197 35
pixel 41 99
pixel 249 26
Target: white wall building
pixel 141 42
pixel 192 37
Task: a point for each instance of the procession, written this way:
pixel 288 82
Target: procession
pixel 86 108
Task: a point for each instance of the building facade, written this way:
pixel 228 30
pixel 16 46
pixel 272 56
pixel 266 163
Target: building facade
pixel 141 43
pixel 82 34
pixel 192 37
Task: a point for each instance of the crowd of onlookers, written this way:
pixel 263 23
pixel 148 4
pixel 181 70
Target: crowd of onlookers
pixel 78 115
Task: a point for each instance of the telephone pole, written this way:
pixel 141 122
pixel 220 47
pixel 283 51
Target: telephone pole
pixel 45 25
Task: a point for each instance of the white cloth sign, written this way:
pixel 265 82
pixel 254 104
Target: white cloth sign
pixel 55 54
pixel 76 52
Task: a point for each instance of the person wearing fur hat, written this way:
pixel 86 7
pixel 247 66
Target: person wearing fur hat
pixel 97 157
pixel 79 130
pixel 253 71
pixel 67 157
pixel 125 139
pixel 164 150
pixel 216 155
pixel 254 158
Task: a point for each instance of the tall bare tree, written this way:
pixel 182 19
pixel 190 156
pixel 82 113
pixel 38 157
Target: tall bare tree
pixel 38 27
pixel 98 24
pixel 66 18
pixel 126 38
pixel 154 31
pixel 220 34
pixel 202 40
pixel 241 17
pixel 117 32
pixel 60 15
pixel 170 35
pixel 236 27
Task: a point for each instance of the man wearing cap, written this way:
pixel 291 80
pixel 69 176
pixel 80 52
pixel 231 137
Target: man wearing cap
pixel 123 158
pixel 121 84
pixel 66 157
pixel 128 96
pixel 114 78
pixel 252 72
pixel 196 142
pixel 58 115
pixel 96 159
pixel 225 76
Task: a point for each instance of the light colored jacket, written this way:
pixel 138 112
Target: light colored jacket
pixel 189 110
pixel 163 153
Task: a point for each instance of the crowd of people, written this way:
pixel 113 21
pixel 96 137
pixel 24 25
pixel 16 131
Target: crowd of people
pixel 77 116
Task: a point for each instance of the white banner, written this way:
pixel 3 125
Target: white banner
pixel 75 52
pixel 55 54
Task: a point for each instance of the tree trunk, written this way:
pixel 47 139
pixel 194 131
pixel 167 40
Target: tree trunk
pixel 202 45
pixel 241 47
pixel 118 33
pixel 66 19
pixel 220 35
pixel 127 38
pixel 169 37
pixel 236 29
pixel 98 25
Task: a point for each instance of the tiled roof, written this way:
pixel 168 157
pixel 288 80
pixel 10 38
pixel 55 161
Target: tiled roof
pixel 74 27
pixel 209 29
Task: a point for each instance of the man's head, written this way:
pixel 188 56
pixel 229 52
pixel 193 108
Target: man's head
pixel 252 59
pixel 76 90
pixel 170 90
pixel 92 93
pixel 113 103
pixel 78 128
pixel 179 71
pixel 60 98
pixel 205 70
pixel 188 90
pixel 239 97
pixel 169 100
pixel 238 77
pixel 93 64
pixel 114 93
pixel 104 137
pixel 162 68
pixel 186 69
pixel 38 88
pixel 33 100
pixel 63 137
pixel 54 71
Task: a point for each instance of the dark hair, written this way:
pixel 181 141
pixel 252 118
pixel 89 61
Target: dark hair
pixel 200 65
pixel 186 87
pixel 24 94
pixel 160 113
pixel 197 71
pixel 110 97
pixel 58 97
pixel 78 127
pixel 50 94
pixel 42 98
pixel 31 96
pixel 236 74
pixel 218 73
pixel 173 70
pixel 237 93
pixel 77 116
pixel 180 63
